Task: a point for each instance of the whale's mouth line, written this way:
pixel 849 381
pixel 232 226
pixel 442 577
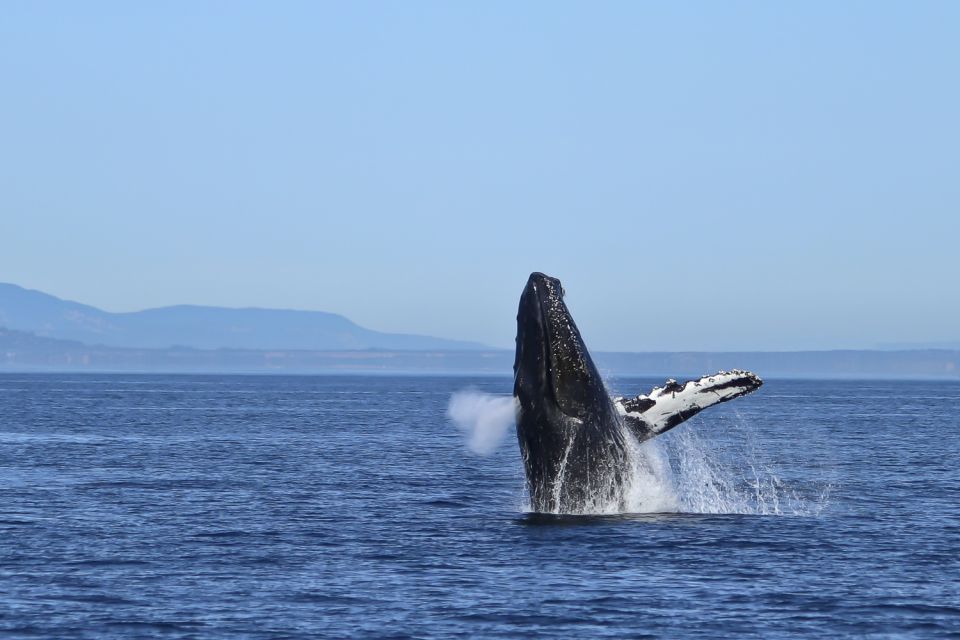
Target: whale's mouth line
pixel 548 343
pixel 534 327
pixel 556 368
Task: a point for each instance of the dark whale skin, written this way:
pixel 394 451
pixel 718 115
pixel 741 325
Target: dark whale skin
pixel 573 436
pixel 571 441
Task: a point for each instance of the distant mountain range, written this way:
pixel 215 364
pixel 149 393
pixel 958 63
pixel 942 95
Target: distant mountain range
pixel 201 327
pixel 39 332
pixel 21 351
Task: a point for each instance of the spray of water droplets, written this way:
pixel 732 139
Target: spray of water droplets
pixel 483 418
pixel 679 472
pixel 686 472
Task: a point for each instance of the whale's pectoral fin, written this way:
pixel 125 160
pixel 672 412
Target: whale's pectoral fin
pixel 665 407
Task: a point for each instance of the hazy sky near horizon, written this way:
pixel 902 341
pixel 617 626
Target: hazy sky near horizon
pixel 700 175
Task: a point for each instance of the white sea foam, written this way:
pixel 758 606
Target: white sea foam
pixel 484 418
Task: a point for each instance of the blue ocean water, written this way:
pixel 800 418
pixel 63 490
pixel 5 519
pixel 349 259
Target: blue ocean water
pixel 299 506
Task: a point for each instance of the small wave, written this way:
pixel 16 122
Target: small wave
pixel 95 598
pixel 108 562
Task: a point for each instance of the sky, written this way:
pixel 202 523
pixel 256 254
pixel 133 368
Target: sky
pixel 701 176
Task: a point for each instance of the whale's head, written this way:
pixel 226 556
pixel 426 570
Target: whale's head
pixel 553 371
pixel 567 427
pixel 572 435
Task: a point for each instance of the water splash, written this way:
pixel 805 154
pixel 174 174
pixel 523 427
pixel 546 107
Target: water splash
pixel 687 472
pixel 484 418
pixel 696 468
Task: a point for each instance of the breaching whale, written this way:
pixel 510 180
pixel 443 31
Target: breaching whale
pixel 572 434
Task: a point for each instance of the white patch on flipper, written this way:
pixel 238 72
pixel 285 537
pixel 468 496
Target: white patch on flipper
pixel 688 399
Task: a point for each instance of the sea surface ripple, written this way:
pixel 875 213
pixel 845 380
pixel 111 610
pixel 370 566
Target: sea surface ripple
pixel 348 506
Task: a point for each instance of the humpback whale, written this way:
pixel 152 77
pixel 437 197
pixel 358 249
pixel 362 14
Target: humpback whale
pixel 573 436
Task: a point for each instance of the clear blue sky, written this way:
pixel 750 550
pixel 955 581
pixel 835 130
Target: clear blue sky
pixel 700 175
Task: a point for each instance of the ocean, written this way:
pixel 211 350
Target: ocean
pixel 179 506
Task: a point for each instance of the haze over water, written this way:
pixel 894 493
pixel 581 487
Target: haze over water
pixel 254 507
